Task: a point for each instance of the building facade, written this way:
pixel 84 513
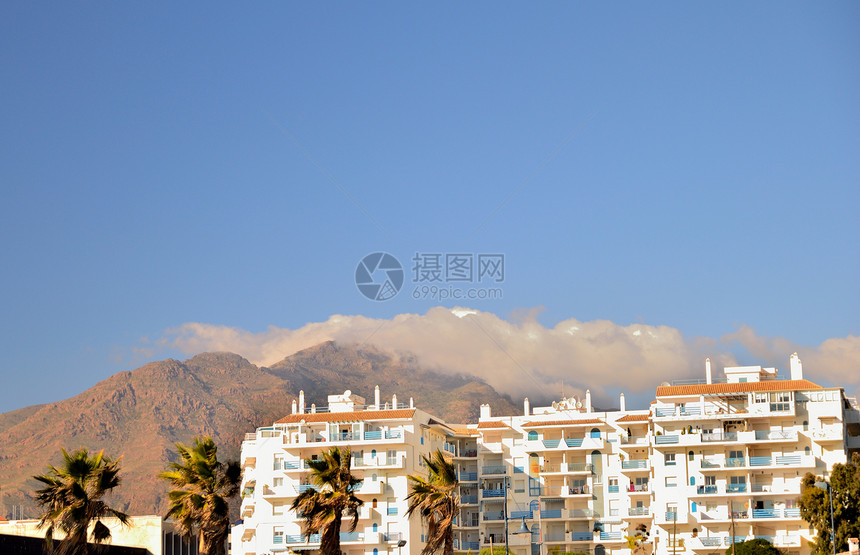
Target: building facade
pixel 707 462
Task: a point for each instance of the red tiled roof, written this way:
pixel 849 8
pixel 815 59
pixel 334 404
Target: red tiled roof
pixel 562 423
pixel 356 416
pixel 492 424
pixel 634 418
pixel 464 431
pixel 745 387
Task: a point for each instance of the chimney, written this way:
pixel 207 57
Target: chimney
pixel 587 400
pixel 302 401
pixel 796 367
pixel 313 408
pixel 411 403
pixel 294 407
pixel 853 546
pixel 708 371
pixel 526 406
pixel 622 405
pixel 485 411
pixel 394 401
pixel 376 398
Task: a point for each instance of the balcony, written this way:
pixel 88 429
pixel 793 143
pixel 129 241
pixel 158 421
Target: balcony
pixel 776 435
pixel 487 493
pixel 393 434
pixel 581 536
pixel 494 470
pixel 736 488
pixel 709 489
pixel 468 477
pixel 373 435
pixel 468 499
pixel 636 464
pixel 639 511
pixel 716 437
pixel 611 536
pixel 612 489
pixel 638 488
pixel 492 516
pixel 711 541
pixel 580 513
pixel 392 511
pixel 666 439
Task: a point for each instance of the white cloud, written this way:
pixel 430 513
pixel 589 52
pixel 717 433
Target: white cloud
pixel 522 357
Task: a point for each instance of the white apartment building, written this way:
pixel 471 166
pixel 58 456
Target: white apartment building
pixel 709 461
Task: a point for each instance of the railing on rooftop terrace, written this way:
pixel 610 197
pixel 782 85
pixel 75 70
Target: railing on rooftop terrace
pixel 700 381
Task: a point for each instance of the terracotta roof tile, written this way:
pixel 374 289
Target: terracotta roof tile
pixel 634 418
pixel 537 424
pixel 464 431
pixel 492 424
pixel 745 387
pixel 356 416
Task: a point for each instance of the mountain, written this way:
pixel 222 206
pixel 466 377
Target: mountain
pixel 140 414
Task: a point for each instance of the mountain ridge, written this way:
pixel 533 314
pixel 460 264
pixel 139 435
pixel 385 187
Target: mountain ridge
pixel 140 414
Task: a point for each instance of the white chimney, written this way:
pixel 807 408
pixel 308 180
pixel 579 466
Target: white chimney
pixel 796 367
pixel 526 406
pixel 376 398
pixel 622 405
pixel 853 545
pixel 302 401
pixel 294 406
pixel 587 400
pixel 485 411
pixel 394 401
pixel 313 408
pixel 708 371
pixel 411 403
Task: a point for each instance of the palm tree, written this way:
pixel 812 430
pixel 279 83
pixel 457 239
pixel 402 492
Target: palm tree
pixel 333 497
pixel 204 486
pixel 73 498
pixel 436 500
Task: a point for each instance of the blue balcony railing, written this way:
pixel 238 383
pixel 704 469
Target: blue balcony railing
pixel 735 462
pixel 492 493
pixel 666 439
pixel 712 541
pixel 665 411
pixel 392 511
pixel 611 535
pixel 278 539
pixel 581 536
pixel 350 536
pixel 550 513
pixel 735 539
pixel 792 513
pixel 573 442
pixel 736 488
pixel 375 434
pixel 612 489
pixel 671 516
pixel 707 489
pixel 305 487
pixel 519 470
pixel 551 443
pixel 468 499
pixel 468 477
pixel 473 546
pixel 767 513
pixel 788 460
pixel 761 461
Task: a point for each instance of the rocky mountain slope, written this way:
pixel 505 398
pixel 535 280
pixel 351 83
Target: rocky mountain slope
pixel 140 414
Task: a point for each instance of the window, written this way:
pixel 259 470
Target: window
pixel 806 450
pixel 780 401
pixel 279 462
pixel 375 527
pixel 533 436
pixel 279 509
pixel 671 481
pixel 742 380
pixel 669 459
pixel 760 398
pixel 690 456
pixel 805 425
pixel 595 433
pixel 277 482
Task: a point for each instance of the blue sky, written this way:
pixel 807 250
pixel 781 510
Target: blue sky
pixel 686 165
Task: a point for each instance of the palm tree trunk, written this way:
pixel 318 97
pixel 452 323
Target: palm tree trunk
pixel 330 541
pixel 449 543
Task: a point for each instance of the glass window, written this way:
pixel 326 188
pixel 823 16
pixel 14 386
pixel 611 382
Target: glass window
pixel 669 459
pixel 533 436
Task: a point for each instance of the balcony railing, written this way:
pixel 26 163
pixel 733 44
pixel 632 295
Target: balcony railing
pixel 494 470
pixel 639 511
pixel 579 467
pixel 666 439
pixel 581 536
pixel 604 536
pixel 468 499
pixel 375 434
pixel 707 489
pixel 551 513
pixel 551 443
pixel 580 513
pixel 468 477
pixel 634 464
pixel 736 488
pixel 711 541
pixel 719 436
pixel 764 435
pixel 393 434
pixel 493 516
pixel 635 488
pixel 612 489
pixel 392 511
pixel 492 493
pixel 671 516
pixel 573 442
pixel 735 462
